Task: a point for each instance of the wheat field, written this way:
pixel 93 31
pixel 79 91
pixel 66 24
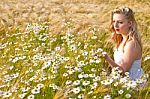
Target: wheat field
pixel 71 26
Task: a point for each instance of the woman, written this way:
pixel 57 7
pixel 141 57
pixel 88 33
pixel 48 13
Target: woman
pixel 128 48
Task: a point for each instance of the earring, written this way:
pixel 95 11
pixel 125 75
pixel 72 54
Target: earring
pixel 126 9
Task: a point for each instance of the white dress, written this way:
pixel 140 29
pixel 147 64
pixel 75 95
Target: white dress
pixel 135 71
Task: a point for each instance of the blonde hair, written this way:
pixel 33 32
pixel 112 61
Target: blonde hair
pixel 133 33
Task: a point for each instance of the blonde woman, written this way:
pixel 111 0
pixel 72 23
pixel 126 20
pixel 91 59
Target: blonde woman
pixel 128 48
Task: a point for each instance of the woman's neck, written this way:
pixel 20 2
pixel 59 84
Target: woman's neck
pixel 122 44
pixel 124 37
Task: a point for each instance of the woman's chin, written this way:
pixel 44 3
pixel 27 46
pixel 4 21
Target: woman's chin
pixel 118 32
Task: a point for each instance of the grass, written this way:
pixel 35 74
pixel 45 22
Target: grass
pixel 32 57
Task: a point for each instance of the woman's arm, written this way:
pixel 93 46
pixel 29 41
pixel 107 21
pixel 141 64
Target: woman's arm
pixel 131 53
pixel 112 62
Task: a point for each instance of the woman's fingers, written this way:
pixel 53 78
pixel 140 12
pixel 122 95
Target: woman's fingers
pixel 104 54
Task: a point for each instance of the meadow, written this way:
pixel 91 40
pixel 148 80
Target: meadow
pixel 52 49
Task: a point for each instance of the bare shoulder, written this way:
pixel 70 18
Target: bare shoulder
pixel 133 47
pixel 132 44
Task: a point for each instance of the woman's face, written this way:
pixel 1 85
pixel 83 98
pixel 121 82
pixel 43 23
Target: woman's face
pixel 121 24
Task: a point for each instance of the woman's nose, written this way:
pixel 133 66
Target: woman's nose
pixel 116 25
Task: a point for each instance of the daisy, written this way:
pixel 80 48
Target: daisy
pixel 77 82
pixel 128 95
pixel 85 83
pixel 31 97
pixel 35 90
pixel 76 90
pixel 107 96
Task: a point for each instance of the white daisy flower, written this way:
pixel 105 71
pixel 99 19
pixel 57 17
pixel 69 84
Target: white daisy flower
pixel 107 96
pixel 128 95
pixel 31 97
pixel 85 83
pixel 6 94
pixel 120 91
pixel 76 90
pixel 77 82
pixel 35 90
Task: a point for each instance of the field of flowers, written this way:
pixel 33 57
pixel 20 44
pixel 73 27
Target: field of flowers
pixel 53 50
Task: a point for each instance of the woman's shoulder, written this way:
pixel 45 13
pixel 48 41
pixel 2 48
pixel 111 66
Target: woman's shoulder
pixel 133 46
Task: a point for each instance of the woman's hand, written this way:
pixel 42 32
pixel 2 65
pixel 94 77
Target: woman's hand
pixel 111 61
pixel 105 55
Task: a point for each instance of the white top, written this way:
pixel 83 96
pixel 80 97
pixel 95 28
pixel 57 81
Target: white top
pixel 135 71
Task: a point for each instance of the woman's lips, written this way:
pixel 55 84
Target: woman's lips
pixel 117 30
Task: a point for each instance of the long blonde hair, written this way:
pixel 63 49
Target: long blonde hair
pixel 133 33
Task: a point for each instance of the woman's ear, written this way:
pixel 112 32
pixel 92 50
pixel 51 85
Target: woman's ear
pixel 130 23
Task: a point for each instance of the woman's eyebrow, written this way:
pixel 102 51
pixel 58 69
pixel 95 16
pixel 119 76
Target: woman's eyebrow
pixel 119 20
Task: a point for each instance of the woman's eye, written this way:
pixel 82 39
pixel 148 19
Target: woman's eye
pixel 117 22
pixel 113 21
pixel 120 22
